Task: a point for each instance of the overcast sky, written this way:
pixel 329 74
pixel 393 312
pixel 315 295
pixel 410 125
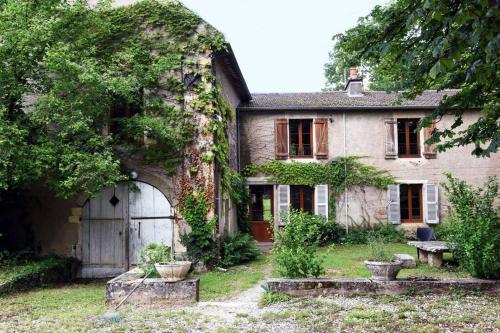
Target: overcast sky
pixel 281 45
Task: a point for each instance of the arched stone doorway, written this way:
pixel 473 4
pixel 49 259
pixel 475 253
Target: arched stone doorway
pixel 118 223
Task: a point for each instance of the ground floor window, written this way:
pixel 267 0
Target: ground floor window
pixel 410 196
pixel 302 198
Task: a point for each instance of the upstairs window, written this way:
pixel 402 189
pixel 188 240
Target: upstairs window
pixel 302 198
pixel 301 138
pixel 408 138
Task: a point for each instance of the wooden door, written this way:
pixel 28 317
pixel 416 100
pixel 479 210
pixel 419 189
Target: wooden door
pixel 150 219
pixel 261 208
pixel 103 233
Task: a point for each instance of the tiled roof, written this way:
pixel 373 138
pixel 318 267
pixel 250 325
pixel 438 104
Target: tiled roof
pixel 340 99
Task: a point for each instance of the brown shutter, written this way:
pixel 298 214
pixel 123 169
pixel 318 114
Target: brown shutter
pixel 281 138
pixel 429 150
pixel 390 142
pixel 321 137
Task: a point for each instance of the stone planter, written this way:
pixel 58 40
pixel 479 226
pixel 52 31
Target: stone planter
pixel 383 270
pixel 175 271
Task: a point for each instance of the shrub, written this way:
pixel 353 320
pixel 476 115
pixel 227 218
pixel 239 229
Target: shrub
pixel 329 231
pixel 387 232
pixel 474 230
pixel 238 248
pixel 154 254
pixel 295 247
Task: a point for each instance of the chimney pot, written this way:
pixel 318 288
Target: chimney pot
pixel 353 73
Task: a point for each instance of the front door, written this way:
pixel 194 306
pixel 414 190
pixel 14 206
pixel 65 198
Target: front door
pixel 118 223
pixel 261 212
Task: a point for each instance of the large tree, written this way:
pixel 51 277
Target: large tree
pixel 414 45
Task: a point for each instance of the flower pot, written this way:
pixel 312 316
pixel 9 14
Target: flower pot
pixel 384 270
pixel 175 271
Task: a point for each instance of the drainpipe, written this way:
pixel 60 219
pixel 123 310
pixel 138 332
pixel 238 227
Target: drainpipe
pixel 346 197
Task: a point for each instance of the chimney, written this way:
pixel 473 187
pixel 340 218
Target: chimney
pixel 354 85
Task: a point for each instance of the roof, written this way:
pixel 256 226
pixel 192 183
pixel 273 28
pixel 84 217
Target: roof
pixel 340 100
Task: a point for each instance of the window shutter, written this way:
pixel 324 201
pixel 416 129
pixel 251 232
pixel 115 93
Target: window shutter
pixel 390 141
pixel 393 210
pixel 321 137
pixel 281 138
pixel 321 200
pixel 429 150
pixel 431 196
pixel 283 202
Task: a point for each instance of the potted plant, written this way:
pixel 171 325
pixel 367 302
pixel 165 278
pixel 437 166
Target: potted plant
pixel 381 265
pixel 158 259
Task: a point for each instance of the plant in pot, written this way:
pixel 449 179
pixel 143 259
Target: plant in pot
pixel 159 259
pixel 381 265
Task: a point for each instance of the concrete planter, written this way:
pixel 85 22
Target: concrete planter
pixel 383 270
pixel 172 272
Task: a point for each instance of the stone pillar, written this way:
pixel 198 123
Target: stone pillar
pixel 422 255
pixel 76 218
pixel 435 259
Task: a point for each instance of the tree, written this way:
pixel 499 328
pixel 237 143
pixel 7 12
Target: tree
pixel 414 45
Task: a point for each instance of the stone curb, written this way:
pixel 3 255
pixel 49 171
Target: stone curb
pixel 362 286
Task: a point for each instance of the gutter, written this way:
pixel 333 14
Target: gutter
pixel 339 108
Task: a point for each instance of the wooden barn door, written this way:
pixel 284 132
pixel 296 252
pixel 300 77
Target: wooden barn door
pixel 103 233
pixel 118 223
pixel 150 219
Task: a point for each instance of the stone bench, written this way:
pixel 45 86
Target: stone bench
pixel 430 252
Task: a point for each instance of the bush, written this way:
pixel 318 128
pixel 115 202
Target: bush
pixel 295 247
pixel 386 232
pixel 474 230
pixel 238 248
pixel 154 254
pixel 329 232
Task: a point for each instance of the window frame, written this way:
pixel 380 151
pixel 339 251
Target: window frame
pixel 301 203
pixel 410 204
pixel 300 144
pixel 407 153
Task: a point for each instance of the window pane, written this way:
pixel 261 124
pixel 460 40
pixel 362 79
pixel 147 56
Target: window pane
pixel 308 199
pixel 260 203
pixel 401 138
pixel 403 198
pixel 307 137
pixel 415 201
pixel 294 137
pixel 295 197
pixel 412 126
pixel 267 206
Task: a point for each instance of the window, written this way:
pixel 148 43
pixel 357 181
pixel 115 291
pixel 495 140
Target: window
pixel 301 138
pixel 302 198
pixel 261 204
pixel 408 138
pixel 410 196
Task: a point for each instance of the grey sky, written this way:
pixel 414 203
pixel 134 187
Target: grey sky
pixel 281 45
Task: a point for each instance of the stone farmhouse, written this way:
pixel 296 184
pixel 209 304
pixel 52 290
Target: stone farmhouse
pixel 107 231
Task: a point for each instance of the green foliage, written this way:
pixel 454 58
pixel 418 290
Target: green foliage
pixel 295 247
pixel 329 231
pixel 238 249
pixel 238 191
pixel 154 254
pixel 20 271
pixel 378 250
pixel 386 232
pixel 474 229
pixel 200 242
pixel 270 298
pixel 78 61
pixel 431 44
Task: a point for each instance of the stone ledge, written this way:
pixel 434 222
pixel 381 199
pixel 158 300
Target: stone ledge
pixel 362 286
pixel 155 290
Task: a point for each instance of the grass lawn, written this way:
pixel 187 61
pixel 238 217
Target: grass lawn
pixel 219 285
pixel 347 261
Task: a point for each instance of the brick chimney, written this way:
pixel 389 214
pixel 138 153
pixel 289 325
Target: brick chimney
pixel 354 86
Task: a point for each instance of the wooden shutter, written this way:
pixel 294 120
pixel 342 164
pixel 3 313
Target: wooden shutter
pixel 431 207
pixel 321 137
pixel 390 140
pixel 429 150
pixel 281 138
pixel 393 209
pixel 321 200
pixel 283 203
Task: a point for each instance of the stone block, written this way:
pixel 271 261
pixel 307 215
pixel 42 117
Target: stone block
pixel 407 260
pixel 74 219
pixel 76 211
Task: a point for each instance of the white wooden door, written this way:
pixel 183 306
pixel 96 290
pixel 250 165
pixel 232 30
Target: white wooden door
pixel 137 208
pixel 150 219
pixel 103 233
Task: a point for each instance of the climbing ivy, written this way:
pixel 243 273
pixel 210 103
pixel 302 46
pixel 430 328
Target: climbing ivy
pixel 345 172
